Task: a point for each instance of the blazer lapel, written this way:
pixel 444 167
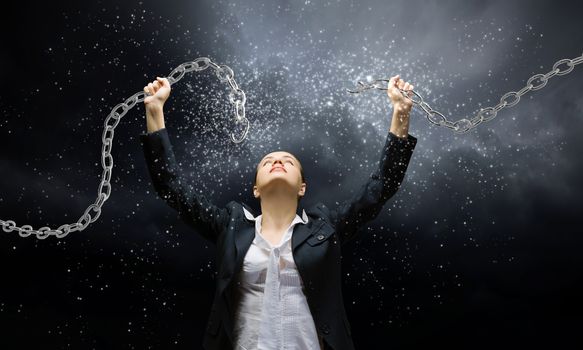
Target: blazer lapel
pixel 244 237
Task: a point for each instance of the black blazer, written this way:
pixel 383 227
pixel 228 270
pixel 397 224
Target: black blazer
pixel 315 245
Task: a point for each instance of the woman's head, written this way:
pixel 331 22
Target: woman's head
pixel 279 170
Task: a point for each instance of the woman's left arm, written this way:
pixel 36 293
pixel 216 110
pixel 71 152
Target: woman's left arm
pixel 367 203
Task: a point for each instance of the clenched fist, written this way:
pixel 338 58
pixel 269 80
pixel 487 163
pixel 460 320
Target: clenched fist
pixel 158 92
pixel 401 106
pixel 400 103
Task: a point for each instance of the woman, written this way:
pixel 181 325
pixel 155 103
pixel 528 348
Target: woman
pixel 279 278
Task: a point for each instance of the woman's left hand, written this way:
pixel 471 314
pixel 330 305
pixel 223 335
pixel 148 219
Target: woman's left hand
pixel 401 104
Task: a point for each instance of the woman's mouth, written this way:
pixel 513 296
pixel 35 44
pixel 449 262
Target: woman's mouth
pixel 277 168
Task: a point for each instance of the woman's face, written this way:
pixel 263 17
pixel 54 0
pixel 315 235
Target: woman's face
pixel 278 169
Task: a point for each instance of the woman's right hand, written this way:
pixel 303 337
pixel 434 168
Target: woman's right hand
pixel 157 93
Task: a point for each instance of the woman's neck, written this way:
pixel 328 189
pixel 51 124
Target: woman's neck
pixel 277 213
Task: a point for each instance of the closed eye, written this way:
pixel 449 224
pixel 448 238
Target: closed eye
pixel 268 161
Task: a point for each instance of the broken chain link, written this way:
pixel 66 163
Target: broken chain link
pixel 223 72
pixel 485 114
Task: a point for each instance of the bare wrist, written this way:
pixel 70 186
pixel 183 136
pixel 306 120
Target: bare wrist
pixel 154 110
pixel 400 124
pixel 154 118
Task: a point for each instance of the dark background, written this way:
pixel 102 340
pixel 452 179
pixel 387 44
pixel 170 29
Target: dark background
pixel 480 248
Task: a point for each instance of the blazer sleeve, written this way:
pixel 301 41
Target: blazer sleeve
pixel 382 184
pixel 193 208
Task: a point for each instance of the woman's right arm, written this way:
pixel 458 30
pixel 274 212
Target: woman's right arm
pixel 193 208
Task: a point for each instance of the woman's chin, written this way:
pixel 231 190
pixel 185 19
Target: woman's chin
pixel 278 181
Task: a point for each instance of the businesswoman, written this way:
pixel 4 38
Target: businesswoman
pixel 279 280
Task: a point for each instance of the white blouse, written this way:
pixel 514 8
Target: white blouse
pixel 272 310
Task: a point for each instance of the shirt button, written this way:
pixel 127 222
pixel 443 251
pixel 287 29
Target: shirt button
pixel 276 252
pixel 320 237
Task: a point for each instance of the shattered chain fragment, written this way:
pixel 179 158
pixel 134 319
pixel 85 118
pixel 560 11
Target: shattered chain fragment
pixel 236 97
pixel 536 82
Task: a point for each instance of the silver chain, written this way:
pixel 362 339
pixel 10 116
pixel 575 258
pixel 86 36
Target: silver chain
pixel 485 114
pixel 224 73
pixel 237 98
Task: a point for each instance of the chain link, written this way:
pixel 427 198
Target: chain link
pixel 236 97
pixel 536 82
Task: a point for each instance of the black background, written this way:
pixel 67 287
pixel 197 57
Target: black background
pixel 480 248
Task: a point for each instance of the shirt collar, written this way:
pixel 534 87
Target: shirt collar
pixel 260 241
pixel 302 220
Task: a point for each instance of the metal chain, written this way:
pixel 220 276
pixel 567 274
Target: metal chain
pixel 236 97
pixel 485 114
